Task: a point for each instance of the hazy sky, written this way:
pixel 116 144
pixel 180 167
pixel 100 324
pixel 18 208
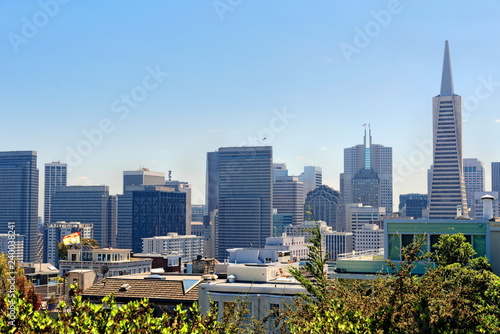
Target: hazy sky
pixel 108 86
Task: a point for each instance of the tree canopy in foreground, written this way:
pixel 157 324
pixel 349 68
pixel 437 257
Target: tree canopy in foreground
pixel 458 295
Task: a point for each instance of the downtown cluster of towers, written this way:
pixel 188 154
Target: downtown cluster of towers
pixel 248 196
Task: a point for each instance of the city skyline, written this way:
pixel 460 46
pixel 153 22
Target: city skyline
pixel 296 82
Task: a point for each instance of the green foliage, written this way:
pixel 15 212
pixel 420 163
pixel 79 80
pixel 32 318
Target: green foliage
pixel 452 248
pixel 318 285
pixel 460 295
pixel 11 269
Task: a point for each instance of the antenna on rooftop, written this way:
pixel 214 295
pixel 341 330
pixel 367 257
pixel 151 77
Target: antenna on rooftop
pixel 170 175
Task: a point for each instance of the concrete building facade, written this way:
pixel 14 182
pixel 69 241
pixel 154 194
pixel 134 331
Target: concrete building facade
pixel 447 187
pixel 188 247
pixel 473 178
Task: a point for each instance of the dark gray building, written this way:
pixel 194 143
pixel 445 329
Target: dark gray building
pixel 495 176
pixel 211 185
pixel 367 176
pixel 19 199
pixel 88 205
pixel 244 197
pixel 322 204
pixel 366 187
pixel 132 180
pixel 411 205
pixel 156 211
pixel 56 175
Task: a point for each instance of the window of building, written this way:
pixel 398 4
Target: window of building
pixel 231 307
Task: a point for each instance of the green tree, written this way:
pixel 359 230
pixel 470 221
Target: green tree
pixel 452 248
pixel 12 271
pixel 316 282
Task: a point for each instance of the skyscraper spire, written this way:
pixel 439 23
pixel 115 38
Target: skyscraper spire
pixel 447 186
pixel 446 79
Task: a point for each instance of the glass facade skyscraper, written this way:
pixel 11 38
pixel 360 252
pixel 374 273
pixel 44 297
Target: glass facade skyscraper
pixel 88 205
pixel 495 176
pixel 156 211
pixel 19 198
pixel 244 197
pixel 56 175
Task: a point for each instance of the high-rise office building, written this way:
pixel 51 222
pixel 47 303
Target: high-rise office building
pixel 322 204
pixel 88 205
pixel 288 197
pixel 358 215
pixel 19 198
pixel 211 185
pixel 142 177
pixel 245 198
pixel 312 177
pixel 473 178
pixel 412 205
pixel 495 176
pixel 367 176
pixel 56 175
pixel 447 195
pixel 156 211
pixel 132 180
pixel 183 187
pixel 279 170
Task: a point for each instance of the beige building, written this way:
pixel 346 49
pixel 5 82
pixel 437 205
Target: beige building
pixel 117 261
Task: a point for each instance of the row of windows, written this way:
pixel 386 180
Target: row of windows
pixel 397 242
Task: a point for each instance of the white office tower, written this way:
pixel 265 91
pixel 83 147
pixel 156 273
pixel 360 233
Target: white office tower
pixel 447 192
pixel 288 197
pixel 357 215
pixel 312 177
pixel 186 246
pixel 333 242
pixel 279 170
pixel 369 237
pixel 474 179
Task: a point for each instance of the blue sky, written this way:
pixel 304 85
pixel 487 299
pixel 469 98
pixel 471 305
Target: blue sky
pixel 157 84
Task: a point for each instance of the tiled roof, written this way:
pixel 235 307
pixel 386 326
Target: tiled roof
pixel 167 290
